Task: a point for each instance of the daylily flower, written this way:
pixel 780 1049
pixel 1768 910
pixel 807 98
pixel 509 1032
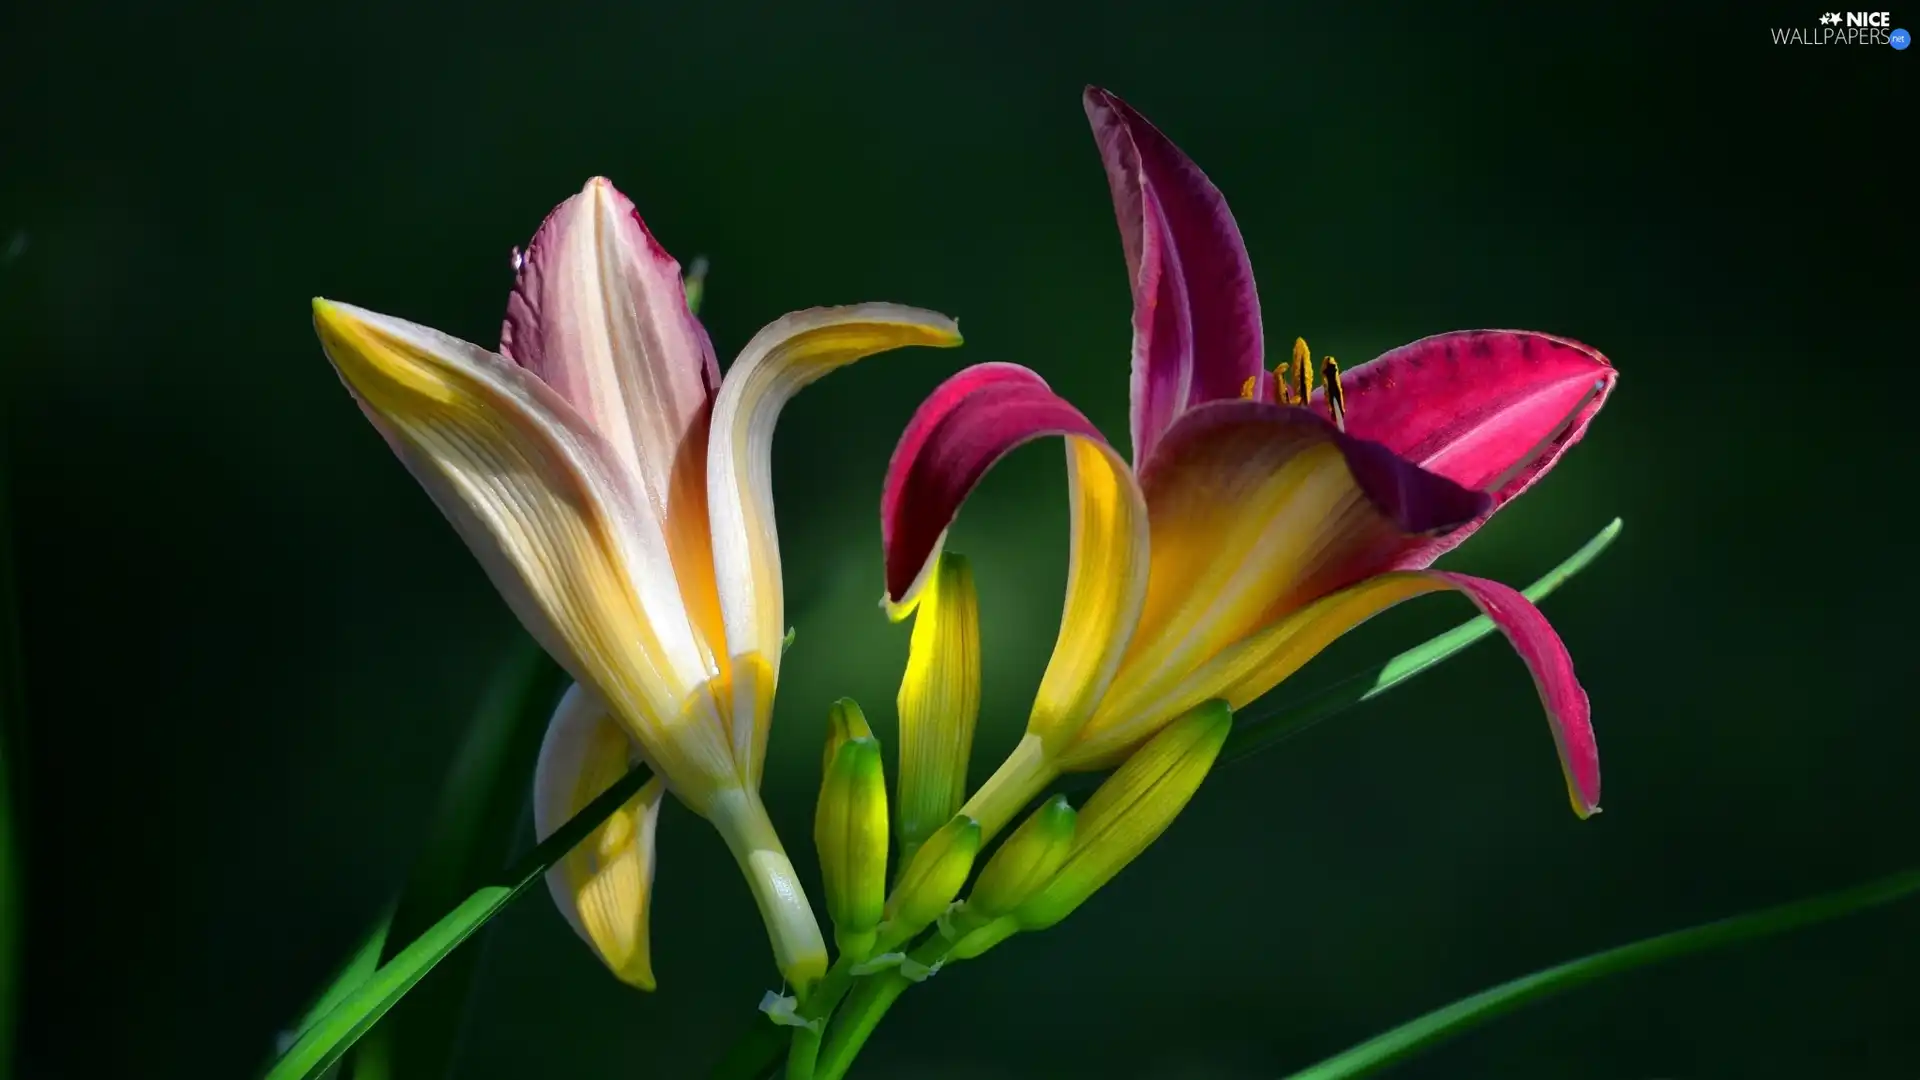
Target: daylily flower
pixel 1260 518
pixel 618 493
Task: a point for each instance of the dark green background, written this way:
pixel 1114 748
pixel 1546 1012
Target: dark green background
pixel 252 643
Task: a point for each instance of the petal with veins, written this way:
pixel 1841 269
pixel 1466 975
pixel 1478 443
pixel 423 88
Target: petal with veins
pixel 966 425
pixel 1492 410
pixel 1242 674
pixel 1196 314
pixel 599 312
pixel 1256 509
pixel 604 886
pixel 541 500
pixel 782 359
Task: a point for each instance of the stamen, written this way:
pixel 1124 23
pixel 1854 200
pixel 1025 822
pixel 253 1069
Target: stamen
pixel 1302 372
pixel 1336 393
pixel 1282 392
pixel 1247 388
pixel 1540 448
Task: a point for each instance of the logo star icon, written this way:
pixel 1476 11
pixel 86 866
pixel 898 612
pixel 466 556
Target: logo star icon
pixel 1831 18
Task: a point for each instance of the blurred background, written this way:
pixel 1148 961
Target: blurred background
pixel 252 644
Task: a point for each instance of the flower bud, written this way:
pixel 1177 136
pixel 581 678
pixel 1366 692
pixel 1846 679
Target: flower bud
pixel 850 831
pixel 930 882
pixel 938 703
pixel 1026 861
pixel 1130 810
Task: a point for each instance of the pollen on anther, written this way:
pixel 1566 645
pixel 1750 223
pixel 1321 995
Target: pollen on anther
pixel 1336 393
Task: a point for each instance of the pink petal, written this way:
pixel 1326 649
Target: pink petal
pixel 1196 315
pixel 1568 713
pixel 599 313
pixel 1416 501
pixel 1490 409
pixel 966 425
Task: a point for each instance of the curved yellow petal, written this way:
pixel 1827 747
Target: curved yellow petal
pixel 1107 583
pixel 789 354
pixel 604 886
pixel 543 503
pixel 1250 668
pixel 938 703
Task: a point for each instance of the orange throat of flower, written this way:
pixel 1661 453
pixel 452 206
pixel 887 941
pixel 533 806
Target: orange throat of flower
pixel 1293 383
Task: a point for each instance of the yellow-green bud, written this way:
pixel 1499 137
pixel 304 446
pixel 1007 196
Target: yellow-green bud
pixel 850 831
pixel 938 703
pixel 930 882
pixel 1027 860
pixel 1130 810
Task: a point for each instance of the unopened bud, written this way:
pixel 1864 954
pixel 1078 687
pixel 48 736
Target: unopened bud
pixel 930 882
pixel 1130 810
pixel 850 831
pixel 1028 860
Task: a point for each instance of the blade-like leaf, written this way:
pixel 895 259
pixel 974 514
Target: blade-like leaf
pixel 1253 732
pixel 332 1036
pixel 1383 1050
pixel 469 842
pixel 358 969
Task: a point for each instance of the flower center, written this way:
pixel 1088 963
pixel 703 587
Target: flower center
pixel 1293 383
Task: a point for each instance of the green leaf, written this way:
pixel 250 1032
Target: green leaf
pixel 467 845
pixel 332 1036
pixel 1253 733
pixel 358 969
pixel 1383 1050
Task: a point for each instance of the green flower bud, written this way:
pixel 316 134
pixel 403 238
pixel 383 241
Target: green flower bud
pixel 1027 860
pixel 850 831
pixel 1130 811
pixel 930 882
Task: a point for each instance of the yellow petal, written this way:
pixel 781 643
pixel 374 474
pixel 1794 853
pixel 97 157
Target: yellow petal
pixel 1247 525
pixel 1107 574
pixel 604 886
pixel 544 504
pixel 788 355
pixel 938 703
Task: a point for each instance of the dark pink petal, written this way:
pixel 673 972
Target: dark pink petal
pixel 1196 315
pixel 1416 501
pixel 1568 713
pixel 969 422
pixel 1492 410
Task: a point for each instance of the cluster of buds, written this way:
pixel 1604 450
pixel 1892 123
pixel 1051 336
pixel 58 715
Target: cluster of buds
pixel 1044 870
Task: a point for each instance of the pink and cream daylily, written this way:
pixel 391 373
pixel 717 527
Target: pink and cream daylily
pixel 1254 524
pixel 618 492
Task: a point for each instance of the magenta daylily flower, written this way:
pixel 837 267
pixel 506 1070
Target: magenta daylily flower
pixel 1260 518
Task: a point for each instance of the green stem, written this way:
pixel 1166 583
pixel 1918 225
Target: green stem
pixel 798 947
pixel 868 1007
pixel 805 1051
pixel 1018 781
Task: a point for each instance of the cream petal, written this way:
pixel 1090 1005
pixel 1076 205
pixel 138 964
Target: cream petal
pixel 538 496
pixel 788 355
pixel 604 886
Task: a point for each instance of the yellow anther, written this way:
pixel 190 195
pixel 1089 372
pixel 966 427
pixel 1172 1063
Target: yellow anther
pixel 1247 388
pixel 1336 393
pixel 1302 372
pixel 1282 388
